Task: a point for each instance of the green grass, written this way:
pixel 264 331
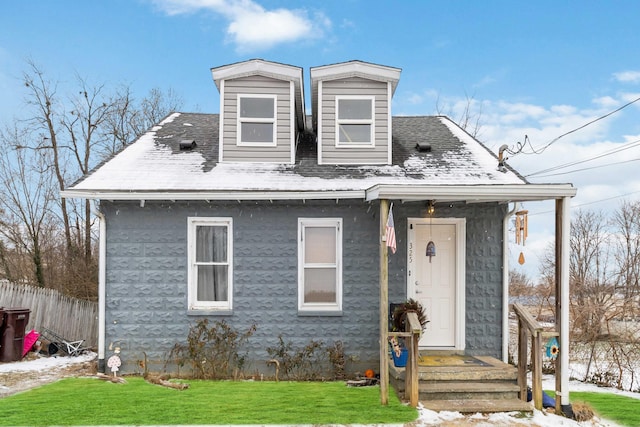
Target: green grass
pixel 86 401
pixel 621 409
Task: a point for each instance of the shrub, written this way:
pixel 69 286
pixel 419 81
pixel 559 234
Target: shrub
pixel 213 352
pixel 314 361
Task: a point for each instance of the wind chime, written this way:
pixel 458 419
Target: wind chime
pixel 522 224
pixel 431 247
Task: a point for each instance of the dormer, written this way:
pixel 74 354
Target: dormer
pixel 261 111
pixel 351 104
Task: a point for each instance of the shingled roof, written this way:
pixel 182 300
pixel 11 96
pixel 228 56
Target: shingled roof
pixel 155 166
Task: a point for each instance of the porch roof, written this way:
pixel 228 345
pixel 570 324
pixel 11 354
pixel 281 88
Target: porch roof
pixel 471 193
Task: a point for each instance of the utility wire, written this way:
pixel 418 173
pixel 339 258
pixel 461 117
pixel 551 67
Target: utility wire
pixel 624 147
pixel 521 146
pixel 589 168
pixel 587 203
pixel 589 123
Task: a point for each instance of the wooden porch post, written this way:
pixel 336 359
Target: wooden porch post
pixel 384 304
pixel 563 223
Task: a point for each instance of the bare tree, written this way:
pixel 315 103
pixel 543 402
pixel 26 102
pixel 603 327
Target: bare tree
pixel 519 284
pixel 467 114
pixel 626 221
pixel 47 113
pixel 592 288
pixel 128 120
pixel 71 134
pixel 27 193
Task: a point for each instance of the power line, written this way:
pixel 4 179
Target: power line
pixel 589 168
pixel 624 147
pixel 588 203
pixel 541 150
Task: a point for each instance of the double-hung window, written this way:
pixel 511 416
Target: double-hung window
pixel 354 121
pixel 320 264
pixel 257 120
pixel 210 257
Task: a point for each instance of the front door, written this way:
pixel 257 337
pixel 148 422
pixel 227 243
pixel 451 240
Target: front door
pixel 435 280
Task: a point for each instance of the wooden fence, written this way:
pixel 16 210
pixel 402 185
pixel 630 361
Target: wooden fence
pixel 70 318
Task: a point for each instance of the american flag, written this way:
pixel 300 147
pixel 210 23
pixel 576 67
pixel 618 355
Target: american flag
pixel 390 235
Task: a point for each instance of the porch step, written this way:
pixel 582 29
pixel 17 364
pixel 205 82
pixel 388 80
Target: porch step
pixel 449 384
pixel 495 370
pixel 478 405
pixel 456 390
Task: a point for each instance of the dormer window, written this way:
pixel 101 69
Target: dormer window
pixel 354 121
pixel 257 120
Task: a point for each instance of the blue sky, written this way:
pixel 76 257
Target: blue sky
pixel 539 69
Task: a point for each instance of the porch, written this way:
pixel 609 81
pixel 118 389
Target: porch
pixel 468 384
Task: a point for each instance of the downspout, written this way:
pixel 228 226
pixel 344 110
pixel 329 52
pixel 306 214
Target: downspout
pixel 505 282
pixel 102 275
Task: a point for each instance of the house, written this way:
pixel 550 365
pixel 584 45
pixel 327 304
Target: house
pixel 264 214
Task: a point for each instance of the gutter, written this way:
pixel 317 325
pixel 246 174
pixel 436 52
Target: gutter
pixel 505 281
pixel 102 275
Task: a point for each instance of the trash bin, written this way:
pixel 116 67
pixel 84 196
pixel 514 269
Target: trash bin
pixel 12 340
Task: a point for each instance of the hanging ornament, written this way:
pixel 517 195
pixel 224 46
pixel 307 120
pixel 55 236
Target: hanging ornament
pixel 552 348
pixel 522 224
pixel 431 247
pixel 521 259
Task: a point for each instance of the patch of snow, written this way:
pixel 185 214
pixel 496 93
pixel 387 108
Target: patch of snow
pixel 45 363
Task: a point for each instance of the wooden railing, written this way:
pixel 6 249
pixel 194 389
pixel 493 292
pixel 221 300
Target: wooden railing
pixel 528 326
pixel 412 337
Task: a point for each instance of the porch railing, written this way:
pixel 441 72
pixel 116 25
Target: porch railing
pixel 412 333
pixel 528 326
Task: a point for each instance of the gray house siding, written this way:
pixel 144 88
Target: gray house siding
pixel 281 153
pixel 354 86
pixel 483 269
pixel 146 282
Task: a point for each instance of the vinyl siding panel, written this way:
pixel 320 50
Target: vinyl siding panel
pixel 257 85
pixel 354 86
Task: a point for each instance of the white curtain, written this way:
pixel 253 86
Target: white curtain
pixel 212 263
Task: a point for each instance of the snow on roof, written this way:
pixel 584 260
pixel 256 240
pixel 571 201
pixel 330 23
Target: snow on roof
pixel 155 162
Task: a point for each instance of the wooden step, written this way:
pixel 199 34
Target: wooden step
pixel 455 390
pixel 495 371
pixel 478 405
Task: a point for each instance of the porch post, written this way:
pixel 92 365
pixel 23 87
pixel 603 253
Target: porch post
pixel 563 224
pixel 384 304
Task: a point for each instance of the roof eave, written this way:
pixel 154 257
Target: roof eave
pixel 211 195
pixel 471 193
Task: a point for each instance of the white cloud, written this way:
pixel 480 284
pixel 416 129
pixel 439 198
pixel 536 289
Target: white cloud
pixel 627 76
pixel 606 102
pixel 252 27
pixel 414 99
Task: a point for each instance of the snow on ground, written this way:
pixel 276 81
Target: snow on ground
pixel 45 363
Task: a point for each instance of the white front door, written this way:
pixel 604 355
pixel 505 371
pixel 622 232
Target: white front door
pixel 437 281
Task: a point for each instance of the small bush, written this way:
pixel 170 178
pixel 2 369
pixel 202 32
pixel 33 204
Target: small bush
pixel 213 352
pixel 582 411
pixel 314 361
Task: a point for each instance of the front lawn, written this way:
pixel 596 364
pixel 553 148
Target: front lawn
pixel 87 401
pixel 621 409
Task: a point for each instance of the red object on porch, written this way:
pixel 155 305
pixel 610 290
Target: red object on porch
pixel 29 340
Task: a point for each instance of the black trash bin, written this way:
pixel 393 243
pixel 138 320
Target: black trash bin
pixel 12 340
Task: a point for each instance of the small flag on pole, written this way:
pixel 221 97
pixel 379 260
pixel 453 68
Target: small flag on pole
pixel 390 235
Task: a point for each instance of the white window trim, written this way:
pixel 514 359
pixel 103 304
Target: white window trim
pixel 192 277
pixel 241 120
pixel 338 122
pixel 320 222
